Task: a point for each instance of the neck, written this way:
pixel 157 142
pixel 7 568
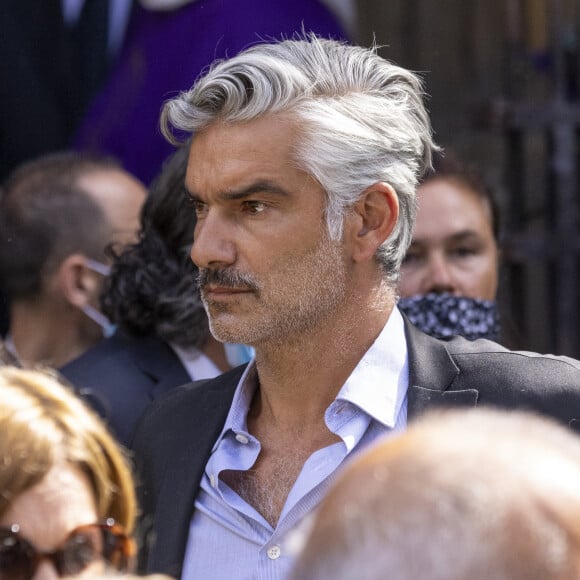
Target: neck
pixel 48 334
pixel 301 376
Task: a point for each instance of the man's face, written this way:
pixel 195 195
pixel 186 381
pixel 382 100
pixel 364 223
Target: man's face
pixel 453 248
pixel 268 270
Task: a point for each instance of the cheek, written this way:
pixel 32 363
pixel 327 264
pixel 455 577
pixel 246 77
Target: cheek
pixel 491 281
pixel 94 570
pixel 481 278
pixel 410 282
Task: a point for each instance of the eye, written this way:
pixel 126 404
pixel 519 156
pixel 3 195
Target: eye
pixel 463 252
pixel 412 257
pixel 254 207
pixel 81 550
pixel 199 208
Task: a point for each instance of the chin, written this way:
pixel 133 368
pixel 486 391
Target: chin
pixel 231 333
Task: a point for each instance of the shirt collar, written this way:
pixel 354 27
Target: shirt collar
pixel 243 395
pixel 198 365
pixel 377 385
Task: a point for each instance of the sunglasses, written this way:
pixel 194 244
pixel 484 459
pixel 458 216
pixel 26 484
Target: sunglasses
pixel 102 543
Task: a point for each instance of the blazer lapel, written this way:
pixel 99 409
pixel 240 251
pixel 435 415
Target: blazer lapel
pixel 431 374
pixel 188 450
pixel 157 360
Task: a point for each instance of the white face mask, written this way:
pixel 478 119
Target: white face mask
pixel 107 327
pixel 98 267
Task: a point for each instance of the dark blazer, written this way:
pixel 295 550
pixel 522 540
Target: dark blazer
pixel 175 437
pixel 122 375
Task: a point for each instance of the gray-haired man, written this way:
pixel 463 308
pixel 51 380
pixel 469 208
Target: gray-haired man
pixel 303 167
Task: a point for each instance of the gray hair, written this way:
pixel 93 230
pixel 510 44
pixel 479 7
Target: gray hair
pixel 363 121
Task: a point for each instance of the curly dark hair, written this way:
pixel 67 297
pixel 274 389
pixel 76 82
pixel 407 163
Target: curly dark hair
pixel 152 287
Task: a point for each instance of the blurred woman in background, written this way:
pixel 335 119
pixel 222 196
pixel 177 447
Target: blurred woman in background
pixel 67 503
pixel 449 278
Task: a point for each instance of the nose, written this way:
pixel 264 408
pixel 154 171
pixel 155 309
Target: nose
pixel 46 571
pixel 213 246
pixel 439 278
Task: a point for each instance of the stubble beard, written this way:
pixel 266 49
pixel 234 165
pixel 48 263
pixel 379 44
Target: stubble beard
pixel 292 302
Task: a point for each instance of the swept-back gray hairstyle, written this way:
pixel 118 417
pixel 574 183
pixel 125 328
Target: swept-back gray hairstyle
pixel 362 120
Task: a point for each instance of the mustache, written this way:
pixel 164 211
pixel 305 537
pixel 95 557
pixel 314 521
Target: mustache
pixel 226 278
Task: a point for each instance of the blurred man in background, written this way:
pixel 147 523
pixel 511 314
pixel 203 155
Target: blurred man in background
pixel 58 214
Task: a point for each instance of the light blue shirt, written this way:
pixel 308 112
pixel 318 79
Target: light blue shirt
pixel 228 539
pixel 198 365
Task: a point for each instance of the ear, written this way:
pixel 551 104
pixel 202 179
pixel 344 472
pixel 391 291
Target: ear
pixel 78 284
pixel 375 215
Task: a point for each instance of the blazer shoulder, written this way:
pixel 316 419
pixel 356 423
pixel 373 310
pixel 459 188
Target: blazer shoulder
pixel 107 376
pixel 487 373
pixel 485 352
pixel 94 358
pixel 546 384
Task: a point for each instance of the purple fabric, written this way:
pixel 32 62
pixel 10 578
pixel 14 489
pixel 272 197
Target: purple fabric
pixel 165 52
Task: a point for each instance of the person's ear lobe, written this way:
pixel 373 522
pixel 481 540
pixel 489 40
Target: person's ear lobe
pixel 376 213
pixel 77 282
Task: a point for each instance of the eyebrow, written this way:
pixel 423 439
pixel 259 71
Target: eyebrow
pixel 463 235
pixel 262 186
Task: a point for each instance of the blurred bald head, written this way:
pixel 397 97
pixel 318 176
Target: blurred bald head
pixel 461 495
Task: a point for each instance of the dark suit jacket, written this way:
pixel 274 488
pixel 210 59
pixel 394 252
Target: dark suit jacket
pixel 122 375
pixel 175 437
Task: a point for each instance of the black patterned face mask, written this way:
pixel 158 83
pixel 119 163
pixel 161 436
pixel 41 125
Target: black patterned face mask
pixel 445 315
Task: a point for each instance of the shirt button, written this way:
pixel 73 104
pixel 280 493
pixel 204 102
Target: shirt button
pixel 274 552
pixel 241 438
pixel 213 480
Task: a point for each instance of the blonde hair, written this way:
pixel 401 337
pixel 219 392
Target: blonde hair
pixel 43 423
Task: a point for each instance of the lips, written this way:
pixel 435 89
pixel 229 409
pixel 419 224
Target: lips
pixel 211 289
pixel 213 292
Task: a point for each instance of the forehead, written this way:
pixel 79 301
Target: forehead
pixel 112 186
pixel 224 155
pixel 447 206
pixel 120 196
pixel 60 502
